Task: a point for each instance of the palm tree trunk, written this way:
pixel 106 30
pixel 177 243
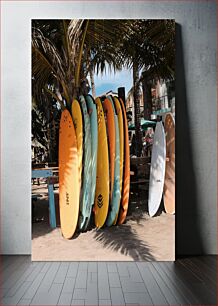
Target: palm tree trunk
pixel 147 99
pixel 136 95
pixel 53 139
pixel 49 130
pixel 49 135
pixel 91 72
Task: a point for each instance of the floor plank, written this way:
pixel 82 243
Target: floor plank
pixel 48 298
pixel 15 263
pixel 170 282
pixel 31 291
pixel 17 296
pixel 203 290
pixel 209 272
pixel 29 275
pixel 187 281
pixel 11 276
pixel 167 291
pixel 169 270
pixel 155 292
pixel 103 281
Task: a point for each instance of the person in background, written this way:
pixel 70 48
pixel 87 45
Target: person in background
pixel 133 145
pixel 149 140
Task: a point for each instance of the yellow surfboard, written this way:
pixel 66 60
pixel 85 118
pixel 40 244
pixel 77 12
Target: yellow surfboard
pixel 68 176
pixel 102 180
pixel 78 125
pixel 121 134
pixel 111 132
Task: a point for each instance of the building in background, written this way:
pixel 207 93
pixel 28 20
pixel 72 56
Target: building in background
pixel 162 100
pixel 130 106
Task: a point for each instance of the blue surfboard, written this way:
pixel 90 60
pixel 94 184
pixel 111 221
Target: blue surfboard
pixel 115 202
pixel 85 203
pixel 92 111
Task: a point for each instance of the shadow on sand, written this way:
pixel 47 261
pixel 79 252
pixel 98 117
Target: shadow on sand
pixel 40 216
pixel 123 238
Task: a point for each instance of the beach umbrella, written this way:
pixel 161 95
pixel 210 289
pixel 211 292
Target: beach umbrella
pixel 144 124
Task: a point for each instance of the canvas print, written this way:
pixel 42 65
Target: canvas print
pixel 103 140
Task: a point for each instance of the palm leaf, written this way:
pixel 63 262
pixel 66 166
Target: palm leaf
pixel 47 63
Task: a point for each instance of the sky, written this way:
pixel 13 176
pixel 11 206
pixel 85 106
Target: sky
pixel 110 81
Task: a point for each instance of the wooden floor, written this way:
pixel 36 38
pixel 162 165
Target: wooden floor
pixel 188 281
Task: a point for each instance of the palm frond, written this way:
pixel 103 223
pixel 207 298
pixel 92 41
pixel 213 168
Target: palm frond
pixel 47 63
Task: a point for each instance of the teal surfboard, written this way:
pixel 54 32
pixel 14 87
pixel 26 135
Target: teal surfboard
pixel 92 111
pixel 115 202
pixel 85 203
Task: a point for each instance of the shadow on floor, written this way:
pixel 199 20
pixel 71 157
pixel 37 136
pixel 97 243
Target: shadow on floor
pixel 189 238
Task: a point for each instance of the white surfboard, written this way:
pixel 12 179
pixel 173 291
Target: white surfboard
pixel 157 171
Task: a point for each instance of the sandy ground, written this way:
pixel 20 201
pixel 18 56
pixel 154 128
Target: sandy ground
pixel 141 238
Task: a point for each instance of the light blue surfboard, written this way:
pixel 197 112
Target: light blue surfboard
pixel 115 202
pixel 92 111
pixel 85 203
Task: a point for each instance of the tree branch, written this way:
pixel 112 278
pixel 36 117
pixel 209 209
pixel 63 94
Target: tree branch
pixel 56 97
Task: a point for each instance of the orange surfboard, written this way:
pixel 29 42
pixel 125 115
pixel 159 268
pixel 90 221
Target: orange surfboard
pixel 169 182
pixel 126 171
pixel 109 113
pixel 121 133
pixel 68 176
pixel 121 138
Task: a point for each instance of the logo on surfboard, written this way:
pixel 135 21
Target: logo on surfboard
pixel 67 198
pixel 100 200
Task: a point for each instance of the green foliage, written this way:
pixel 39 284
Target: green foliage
pixel 45 127
pixel 65 51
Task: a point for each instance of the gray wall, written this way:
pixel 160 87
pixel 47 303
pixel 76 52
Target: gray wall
pixel 196 114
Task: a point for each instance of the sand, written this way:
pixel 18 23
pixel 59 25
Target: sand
pixel 141 238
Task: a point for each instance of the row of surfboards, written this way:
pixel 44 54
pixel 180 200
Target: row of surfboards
pixel 94 164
